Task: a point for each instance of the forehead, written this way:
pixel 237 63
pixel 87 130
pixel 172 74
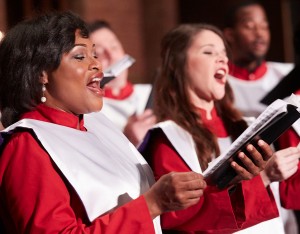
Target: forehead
pixel 251 12
pixel 207 37
pixel 79 40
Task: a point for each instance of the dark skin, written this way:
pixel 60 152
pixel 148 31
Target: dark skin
pixel 180 190
pixel 249 38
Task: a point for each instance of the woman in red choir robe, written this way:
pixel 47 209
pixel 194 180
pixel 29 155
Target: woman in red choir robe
pixel 57 174
pixel 198 121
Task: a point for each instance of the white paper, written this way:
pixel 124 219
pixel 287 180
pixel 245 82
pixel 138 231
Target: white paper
pixel 273 110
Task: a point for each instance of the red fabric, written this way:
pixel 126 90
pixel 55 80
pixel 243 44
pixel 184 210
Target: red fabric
pixel 125 92
pixel 288 138
pixel 36 198
pixel 215 124
pixel 217 211
pixel 290 188
pixel 244 74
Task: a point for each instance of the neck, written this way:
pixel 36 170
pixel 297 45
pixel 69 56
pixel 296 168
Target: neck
pixel 248 64
pixel 205 105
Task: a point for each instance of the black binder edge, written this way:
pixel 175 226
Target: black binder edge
pixel 224 174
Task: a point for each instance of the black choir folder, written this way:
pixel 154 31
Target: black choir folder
pixel 269 125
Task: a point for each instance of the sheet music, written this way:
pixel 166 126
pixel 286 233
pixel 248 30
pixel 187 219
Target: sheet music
pixel 271 112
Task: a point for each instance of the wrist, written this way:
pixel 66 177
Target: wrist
pixel 265 179
pixel 152 203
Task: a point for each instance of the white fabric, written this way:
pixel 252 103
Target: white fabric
pixel 182 142
pixel 248 93
pixel 118 111
pixel 185 146
pixel 104 168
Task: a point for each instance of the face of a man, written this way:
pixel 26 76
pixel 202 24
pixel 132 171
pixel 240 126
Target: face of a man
pixel 250 36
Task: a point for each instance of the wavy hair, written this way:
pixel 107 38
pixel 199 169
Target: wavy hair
pixel 172 99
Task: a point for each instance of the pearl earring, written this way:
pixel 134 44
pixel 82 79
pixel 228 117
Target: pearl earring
pixel 43 98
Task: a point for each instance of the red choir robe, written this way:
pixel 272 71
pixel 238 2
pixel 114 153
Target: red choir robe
pixel 290 188
pixel 217 211
pixel 130 100
pixel 36 197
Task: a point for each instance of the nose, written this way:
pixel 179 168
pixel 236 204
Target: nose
pixel 260 31
pixel 222 58
pixel 95 64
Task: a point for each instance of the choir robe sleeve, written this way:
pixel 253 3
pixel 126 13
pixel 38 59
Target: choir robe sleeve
pixel 35 197
pixel 289 189
pixel 217 211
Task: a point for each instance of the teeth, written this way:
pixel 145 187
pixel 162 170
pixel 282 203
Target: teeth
pixel 96 79
pixel 221 72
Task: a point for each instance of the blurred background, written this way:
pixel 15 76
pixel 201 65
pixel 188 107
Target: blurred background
pixel 140 24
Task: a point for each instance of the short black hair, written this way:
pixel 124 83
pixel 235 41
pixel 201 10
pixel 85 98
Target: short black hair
pixel 28 49
pixel 230 15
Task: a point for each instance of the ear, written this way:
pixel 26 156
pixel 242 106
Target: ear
pixel 228 34
pixel 44 77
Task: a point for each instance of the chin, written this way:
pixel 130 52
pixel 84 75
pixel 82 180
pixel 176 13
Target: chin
pixel 218 97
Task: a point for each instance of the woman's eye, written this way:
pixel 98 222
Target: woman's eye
pixel 95 56
pixel 79 57
pixel 208 52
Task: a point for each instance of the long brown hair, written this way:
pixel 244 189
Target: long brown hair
pixel 171 95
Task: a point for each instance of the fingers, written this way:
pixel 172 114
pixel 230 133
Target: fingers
pixel 174 191
pixel 242 173
pixel 257 159
pixel 265 150
pixel 188 188
pixel 188 181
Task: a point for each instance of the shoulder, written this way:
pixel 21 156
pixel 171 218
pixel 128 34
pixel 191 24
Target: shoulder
pixel 283 67
pixel 142 87
pixel 21 149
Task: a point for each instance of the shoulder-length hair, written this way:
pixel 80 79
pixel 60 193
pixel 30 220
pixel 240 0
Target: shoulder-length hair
pixel 171 95
pixel 28 49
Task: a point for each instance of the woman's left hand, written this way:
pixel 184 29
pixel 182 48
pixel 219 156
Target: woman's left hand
pixel 281 166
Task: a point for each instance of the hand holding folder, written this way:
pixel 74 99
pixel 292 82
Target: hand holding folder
pixel 274 121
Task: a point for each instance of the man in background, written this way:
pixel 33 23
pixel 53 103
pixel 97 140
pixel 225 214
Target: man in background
pixel 250 75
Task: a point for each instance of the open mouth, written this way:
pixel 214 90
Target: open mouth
pixel 220 74
pixel 94 86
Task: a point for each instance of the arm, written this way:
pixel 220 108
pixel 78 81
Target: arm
pixel 138 125
pixel 38 199
pixel 198 217
pixel 235 207
pixel 289 189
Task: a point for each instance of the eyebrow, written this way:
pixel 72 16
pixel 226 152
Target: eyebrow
pixel 84 45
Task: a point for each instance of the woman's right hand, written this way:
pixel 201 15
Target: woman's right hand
pixel 174 191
